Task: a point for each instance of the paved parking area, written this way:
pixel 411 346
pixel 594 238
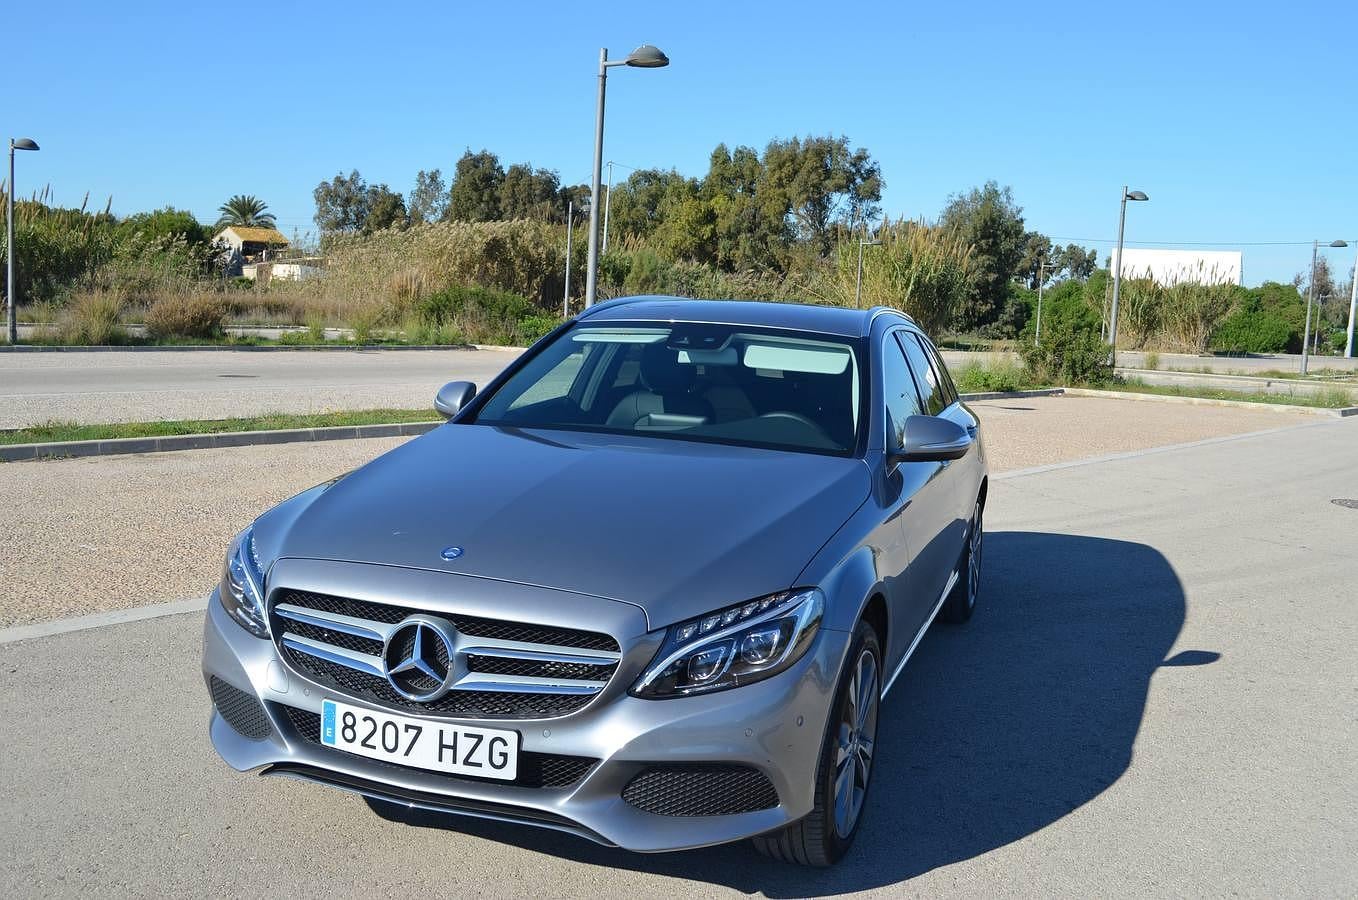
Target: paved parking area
pixel 1156 698
pixel 87 535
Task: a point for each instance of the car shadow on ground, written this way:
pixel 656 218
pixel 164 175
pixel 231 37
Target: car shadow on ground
pixel 995 729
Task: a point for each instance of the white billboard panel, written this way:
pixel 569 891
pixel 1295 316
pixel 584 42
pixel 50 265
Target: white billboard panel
pixel 1169 267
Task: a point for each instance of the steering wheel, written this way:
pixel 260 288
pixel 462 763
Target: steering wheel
pixel 795 417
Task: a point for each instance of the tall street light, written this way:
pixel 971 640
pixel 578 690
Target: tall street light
pixel 1353 311
pixel 11 289
pixel 644 57
pixel 1117 268
pixel 1310 294
pixel 858 287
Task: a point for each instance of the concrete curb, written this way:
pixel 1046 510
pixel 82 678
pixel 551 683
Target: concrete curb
pixel 100 620
pixel 1014 395
pixel 1340 413
pixel 118 446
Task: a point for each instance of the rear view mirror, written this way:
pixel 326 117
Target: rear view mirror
pixel 932 439
pixel 453 396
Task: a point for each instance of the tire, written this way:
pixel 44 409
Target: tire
pixel 824 836
pixel 961 602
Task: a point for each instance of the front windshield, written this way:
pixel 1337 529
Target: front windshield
pixel 723 383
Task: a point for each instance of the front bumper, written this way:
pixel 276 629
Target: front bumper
pixel 774 726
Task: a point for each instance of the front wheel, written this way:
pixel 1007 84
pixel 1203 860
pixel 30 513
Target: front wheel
pixel 962 601
pixel 845 767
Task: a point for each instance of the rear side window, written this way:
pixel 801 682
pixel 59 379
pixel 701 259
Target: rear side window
pixel 926 379
pixel 898 390
pixel 945 378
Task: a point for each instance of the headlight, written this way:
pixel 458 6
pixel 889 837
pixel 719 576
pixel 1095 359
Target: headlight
pixel 243 585
pixel 733 646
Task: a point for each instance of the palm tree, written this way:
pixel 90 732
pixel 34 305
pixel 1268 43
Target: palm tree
pixel 246 210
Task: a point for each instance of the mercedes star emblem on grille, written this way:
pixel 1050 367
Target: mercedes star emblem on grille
pixel 419 658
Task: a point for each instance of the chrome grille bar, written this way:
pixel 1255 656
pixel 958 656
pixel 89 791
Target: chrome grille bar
pixel 363 662
pixel 465 646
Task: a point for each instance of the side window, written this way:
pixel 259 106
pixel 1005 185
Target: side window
pixel 926 378
pixel 898 391
pixel 949 389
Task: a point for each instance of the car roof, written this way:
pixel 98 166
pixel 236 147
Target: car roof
pixel 834 320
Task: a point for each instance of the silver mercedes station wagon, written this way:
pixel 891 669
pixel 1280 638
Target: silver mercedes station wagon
pixel 649 587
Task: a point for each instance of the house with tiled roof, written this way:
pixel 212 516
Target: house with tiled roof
pixel 251 242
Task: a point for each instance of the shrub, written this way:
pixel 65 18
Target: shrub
pixel 93 319
pixel 292 338
pixel 1253 331
pixel 532 328
pixel 1152 360
pixel 976 378
pixel 186 316
pixel 315 329
pixel 1069 355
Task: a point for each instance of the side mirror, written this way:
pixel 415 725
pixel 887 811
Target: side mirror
pixel 453 396
pixel 932 439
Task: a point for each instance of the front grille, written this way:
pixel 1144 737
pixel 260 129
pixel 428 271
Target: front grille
pixel 506 669
pixel 700 790
pixel 241 711
pixel 536 770
pixel 468 625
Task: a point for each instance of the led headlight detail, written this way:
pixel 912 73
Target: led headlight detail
pixel 734 646
pixel 242 589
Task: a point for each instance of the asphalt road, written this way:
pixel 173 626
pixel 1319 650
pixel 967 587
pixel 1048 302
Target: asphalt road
pixel 211 384
pixel 1157 698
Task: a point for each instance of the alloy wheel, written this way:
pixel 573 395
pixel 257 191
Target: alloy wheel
pixel 974 558
pixel 856 744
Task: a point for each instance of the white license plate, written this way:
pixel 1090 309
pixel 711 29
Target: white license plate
pixel 437 746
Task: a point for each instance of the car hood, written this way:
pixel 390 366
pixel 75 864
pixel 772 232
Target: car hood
pixel 676 527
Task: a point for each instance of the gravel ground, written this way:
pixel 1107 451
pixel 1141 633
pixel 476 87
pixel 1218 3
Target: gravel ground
pixel 88 535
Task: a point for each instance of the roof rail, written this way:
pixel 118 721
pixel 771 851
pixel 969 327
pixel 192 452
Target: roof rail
pixel 884 311
pixel 609 304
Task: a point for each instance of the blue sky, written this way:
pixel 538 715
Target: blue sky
pixel 1240 120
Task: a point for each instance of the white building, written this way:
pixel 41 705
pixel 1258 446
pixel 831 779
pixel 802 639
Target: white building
pixel 1169 267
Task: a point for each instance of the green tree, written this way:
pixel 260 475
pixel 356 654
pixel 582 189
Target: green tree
pixel 745 236
pixel 164 224
pixel 429 198
pixel 635 207
pixel 341 204
pixel 475 195
pixel 819 182
pixel 1074 261
pixel 989 221
pixel 386 209
pixel 528 193
pixel 245 210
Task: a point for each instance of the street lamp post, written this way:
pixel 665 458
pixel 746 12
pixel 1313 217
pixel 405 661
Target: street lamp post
pixel 1117 269
pixel 1353 311
pixel 644 57
pixel 1310 295
pixel 11 288
pixel 858 286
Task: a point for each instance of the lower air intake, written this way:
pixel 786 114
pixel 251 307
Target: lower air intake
pixel 241 711
pixel 700 790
